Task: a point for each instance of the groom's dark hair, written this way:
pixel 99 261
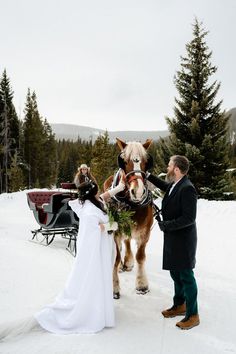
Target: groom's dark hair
pixel 181 162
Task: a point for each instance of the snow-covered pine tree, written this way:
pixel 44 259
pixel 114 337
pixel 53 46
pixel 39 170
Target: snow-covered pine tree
pixel 199 127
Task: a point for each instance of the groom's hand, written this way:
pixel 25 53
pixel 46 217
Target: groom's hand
pixel 161 225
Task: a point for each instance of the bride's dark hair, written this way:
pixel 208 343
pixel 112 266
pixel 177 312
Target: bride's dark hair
pixel 88 191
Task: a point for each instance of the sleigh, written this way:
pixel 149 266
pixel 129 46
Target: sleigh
pixel 54 216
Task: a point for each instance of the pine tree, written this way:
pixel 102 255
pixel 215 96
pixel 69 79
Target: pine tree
pixel 68 153
pixel 71 154
pixel 101 157
pixel 161 153
pixel 9 129
pixel 33 132
pixel 16 176
pixel 102 164
pixel 199 128
pixel 49 164
pixel 39 146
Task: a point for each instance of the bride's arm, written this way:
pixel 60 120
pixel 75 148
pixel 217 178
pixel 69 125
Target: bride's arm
pixel 106 196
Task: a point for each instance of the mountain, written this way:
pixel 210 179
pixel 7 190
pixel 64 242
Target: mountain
pixel 72 132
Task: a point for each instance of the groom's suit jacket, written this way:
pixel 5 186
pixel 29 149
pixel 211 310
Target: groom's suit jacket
pixel 179 214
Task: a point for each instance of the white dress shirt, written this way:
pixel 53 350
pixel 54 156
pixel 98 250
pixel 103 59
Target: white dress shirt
pixel 173 186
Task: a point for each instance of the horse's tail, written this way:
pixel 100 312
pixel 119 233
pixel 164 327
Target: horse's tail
pixel 16 328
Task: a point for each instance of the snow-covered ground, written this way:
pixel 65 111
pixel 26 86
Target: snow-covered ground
pixel 32 275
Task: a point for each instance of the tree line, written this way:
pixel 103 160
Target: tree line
pixel 31 157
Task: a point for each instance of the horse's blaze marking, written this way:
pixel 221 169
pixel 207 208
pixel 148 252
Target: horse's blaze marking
pixel 139 181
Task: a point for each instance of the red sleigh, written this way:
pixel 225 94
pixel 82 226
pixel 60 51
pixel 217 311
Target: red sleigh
pixel 54 216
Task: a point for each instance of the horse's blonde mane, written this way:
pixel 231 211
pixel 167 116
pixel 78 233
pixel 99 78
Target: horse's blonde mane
pixel 134 149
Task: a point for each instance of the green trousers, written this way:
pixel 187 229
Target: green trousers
pixel 185 290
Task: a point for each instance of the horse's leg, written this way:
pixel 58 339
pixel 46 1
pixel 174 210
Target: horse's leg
pixel 144 219
pixel 129 258
pixel 141 279
pixel 116 282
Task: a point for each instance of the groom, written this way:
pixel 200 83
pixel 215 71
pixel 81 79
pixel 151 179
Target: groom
pixel 179 207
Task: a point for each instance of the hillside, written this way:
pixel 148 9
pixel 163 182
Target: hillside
pixel 72 132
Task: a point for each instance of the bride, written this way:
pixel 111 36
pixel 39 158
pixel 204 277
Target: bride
pixel 85 305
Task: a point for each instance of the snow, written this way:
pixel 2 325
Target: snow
pixel 32 275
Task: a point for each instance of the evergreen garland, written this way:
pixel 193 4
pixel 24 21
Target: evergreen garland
pixel 117 211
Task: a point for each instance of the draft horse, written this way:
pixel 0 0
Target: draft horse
pixel 134 160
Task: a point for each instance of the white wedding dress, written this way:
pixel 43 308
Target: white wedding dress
pixel 86 303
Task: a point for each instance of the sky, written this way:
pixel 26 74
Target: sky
pixel 110 64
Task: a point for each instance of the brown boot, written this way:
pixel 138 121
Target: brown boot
pixel 175 310
pixel 187 323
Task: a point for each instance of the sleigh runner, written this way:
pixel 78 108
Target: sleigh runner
pixel 54 216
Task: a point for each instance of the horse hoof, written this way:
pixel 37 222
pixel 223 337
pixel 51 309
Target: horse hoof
pixel 142 291
pixel 121 269
pixel 116 295
pixel 126 268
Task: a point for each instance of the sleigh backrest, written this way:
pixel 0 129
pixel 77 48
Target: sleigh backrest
pixel 37 199
pixel 68 185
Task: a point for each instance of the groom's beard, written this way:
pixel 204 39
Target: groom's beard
pixel 170 176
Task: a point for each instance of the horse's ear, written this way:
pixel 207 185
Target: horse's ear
pixel 147 144
pixel 121 144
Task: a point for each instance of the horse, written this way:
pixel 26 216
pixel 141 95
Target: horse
pixel 134 160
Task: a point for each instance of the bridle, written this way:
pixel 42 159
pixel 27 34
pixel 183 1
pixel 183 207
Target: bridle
pixel 131 176
pixel 124 196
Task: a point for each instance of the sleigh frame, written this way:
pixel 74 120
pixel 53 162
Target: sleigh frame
pixel 54 216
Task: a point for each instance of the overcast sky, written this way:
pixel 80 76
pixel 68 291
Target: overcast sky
pixel 110 64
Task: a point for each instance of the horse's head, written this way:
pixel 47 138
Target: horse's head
pixel 135 161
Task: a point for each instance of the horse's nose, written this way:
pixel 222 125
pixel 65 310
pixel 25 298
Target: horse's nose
pixel 132 192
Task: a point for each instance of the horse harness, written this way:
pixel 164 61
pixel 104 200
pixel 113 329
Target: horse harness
pixel 123 196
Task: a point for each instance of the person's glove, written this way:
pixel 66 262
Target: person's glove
pixel 106 196
pixel 162 225
pixel 119 188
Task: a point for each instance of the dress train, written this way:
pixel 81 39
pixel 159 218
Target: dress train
pixel 13 329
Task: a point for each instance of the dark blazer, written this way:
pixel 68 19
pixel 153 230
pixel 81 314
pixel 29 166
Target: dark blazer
pixel 179 226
